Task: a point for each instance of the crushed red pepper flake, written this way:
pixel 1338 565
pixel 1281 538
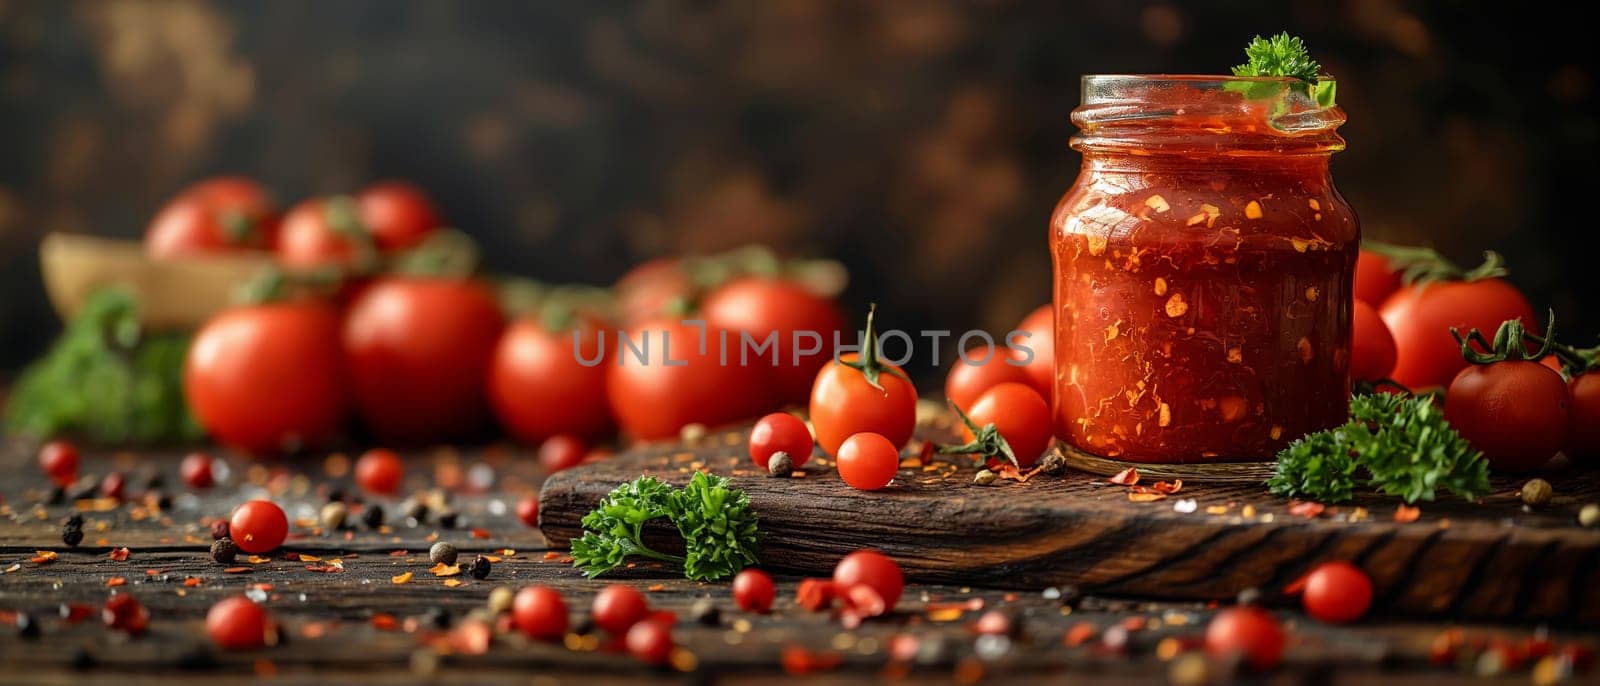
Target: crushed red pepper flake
pixel 798 661
pixel 324 569
pixel 116 581
pixel 236 570
pixel 384 621
pixel 398 553
pixel 1126 477
pixel 655 588
pixel 1149 497
pixel 1306 508
pixel 1167 487
pixel 43 557
pixel 119 554
pixel 1078 635
pixel 480 533
pixel 551 555
pixel 1406 513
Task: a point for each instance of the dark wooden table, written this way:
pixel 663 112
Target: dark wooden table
pixel 336 630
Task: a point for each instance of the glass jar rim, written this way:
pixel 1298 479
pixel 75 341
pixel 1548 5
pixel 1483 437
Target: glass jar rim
pixel 1249 111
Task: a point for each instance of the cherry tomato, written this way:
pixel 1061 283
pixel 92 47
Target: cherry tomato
pixel 380 471
pixel 679 382
pixel 528 511
pixel 651 641
pixel 258 526
pixel 1515 411
pixel 1420 318
pixel 307 237
pixel 268 378
pixel 419 352
pixel 874 569
pixel 753 591
pixel 1583 425
pixel 1248 631
pixel 237 623
pixel 1022 417
pixel 1337 592
pixel 781 309
pixel 541 382
pixel 989 366
pixel 59 460
pixel 646 290
pixel 1376 279
pixel 867 461
pixel 1372 351
pixel 618 607
pixel 399 215
pixel 1041 324
pixel 561 452
pixel 197 472
pixel 780 432
pixel 844 404
pixel 539 613
pixel 221 214
pixel 113 486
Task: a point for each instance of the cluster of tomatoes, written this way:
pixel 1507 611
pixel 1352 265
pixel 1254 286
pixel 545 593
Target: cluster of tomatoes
pixel 1333 592
pixel 1413 323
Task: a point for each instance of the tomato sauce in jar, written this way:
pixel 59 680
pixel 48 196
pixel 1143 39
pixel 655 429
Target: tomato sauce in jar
pixel 1203 267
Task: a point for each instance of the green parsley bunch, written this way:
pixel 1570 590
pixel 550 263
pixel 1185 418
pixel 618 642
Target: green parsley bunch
pixel 715 520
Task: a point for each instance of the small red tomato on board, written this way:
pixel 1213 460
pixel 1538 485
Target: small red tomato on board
pixel 1041 327
pixel 113 486
pixel 562 452
pixel 1376 278
pixel 646 290
pixel 398 214
pixel 651 642
pixel 548 377
pixel 59 460
pixel 539 613
pixel 528 511
pixel 780 432
pixel 1020 415
pixel 258 526
pixel 797 321
pixel 873 569
pixel 1250 632
pixel 867 461
pixel 221 214
pixel 237 623
pixel 1583 416
pixel 668 374
pixel 1337 592
pixel 1514 411
pixel 861 393
pixel 419 350
pixel 1372 350
pixel 197 472
pixel 269 378
pixel 316 233
pixel 1421 314
pixel 380 471
pixel 981 369
pixel 618 607
pixel 753 591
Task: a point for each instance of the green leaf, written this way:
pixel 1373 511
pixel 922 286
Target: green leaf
pixel 1280 55
pixel 718 528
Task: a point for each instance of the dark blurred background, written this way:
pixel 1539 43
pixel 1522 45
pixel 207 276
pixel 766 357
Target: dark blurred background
pixel 922 142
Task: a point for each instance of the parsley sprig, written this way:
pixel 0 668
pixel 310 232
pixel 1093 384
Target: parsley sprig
pixel 1401 445
pixel 1283 55
pixel 715 520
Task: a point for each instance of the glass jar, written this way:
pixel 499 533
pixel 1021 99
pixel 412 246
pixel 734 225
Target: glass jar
pixel 1203 266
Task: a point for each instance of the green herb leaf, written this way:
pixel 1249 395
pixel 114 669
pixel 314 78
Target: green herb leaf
pixel 1280 55
pixel 715 520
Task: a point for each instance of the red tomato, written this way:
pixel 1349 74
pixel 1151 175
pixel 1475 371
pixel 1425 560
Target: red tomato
pixel 268 378
pixel 1583 424
pixel 867 461
pixel 844 404
pixel 1376 279
pixel 59 460
pixel 380 471
pixel 258 526
pixel 1420 317
pixel 1041 324
pixel 651 641
pixel 399 215
pixel 646 290
pixel 679 382
pixel 1337 592
pixel 1248 631
pixel 782 310
pixel 237 623
pixel 307 238
pixel 216 215
pixel 1514 411
pixel 1020 414
pixel 528 511
pixel 542 382
pixel 539 613
pixel 419 352
pixel 113 485
pixel 968 380
pixel 1372 351
pixel 753 591
pixel 780 432
pixel 197 472
pixel 874 569
pixel 562 452
pixel 618 607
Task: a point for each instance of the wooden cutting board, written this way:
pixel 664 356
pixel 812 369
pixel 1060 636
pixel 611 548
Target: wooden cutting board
pixel 1458 560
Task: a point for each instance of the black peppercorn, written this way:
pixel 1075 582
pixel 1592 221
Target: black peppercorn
pixel 449 519
pixel 75 521
pixel 27 626
pixel 480 567
pixel 372 516
pixel 415 511
pixel 58 495
pixel 439 618
pixel 224 551
pixel 336 495
pixel 705 611
pixel 220 529
pixel 71 536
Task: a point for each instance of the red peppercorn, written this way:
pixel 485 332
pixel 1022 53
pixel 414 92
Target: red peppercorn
pixel 650 642
pixel 113 486
pixel 59 460
pixel 380 471
pixel 618 607
pixel 540 613
pixel 753 590
pixel 123 613
pixel 528 510
pixel 196 471
pixel 259 526
pixel 237 623
pixel 561 452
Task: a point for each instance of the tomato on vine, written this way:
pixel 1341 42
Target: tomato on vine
pixel 220 214
pixel 1372 350
pixel 398 214
pixel 1009 421
pixel 670 373
pixel 859 393
pixel 1040 324
pixel 1581 368
pixel 1376 277
pixel 1505 404
pixel 541 381
pixel 786 311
